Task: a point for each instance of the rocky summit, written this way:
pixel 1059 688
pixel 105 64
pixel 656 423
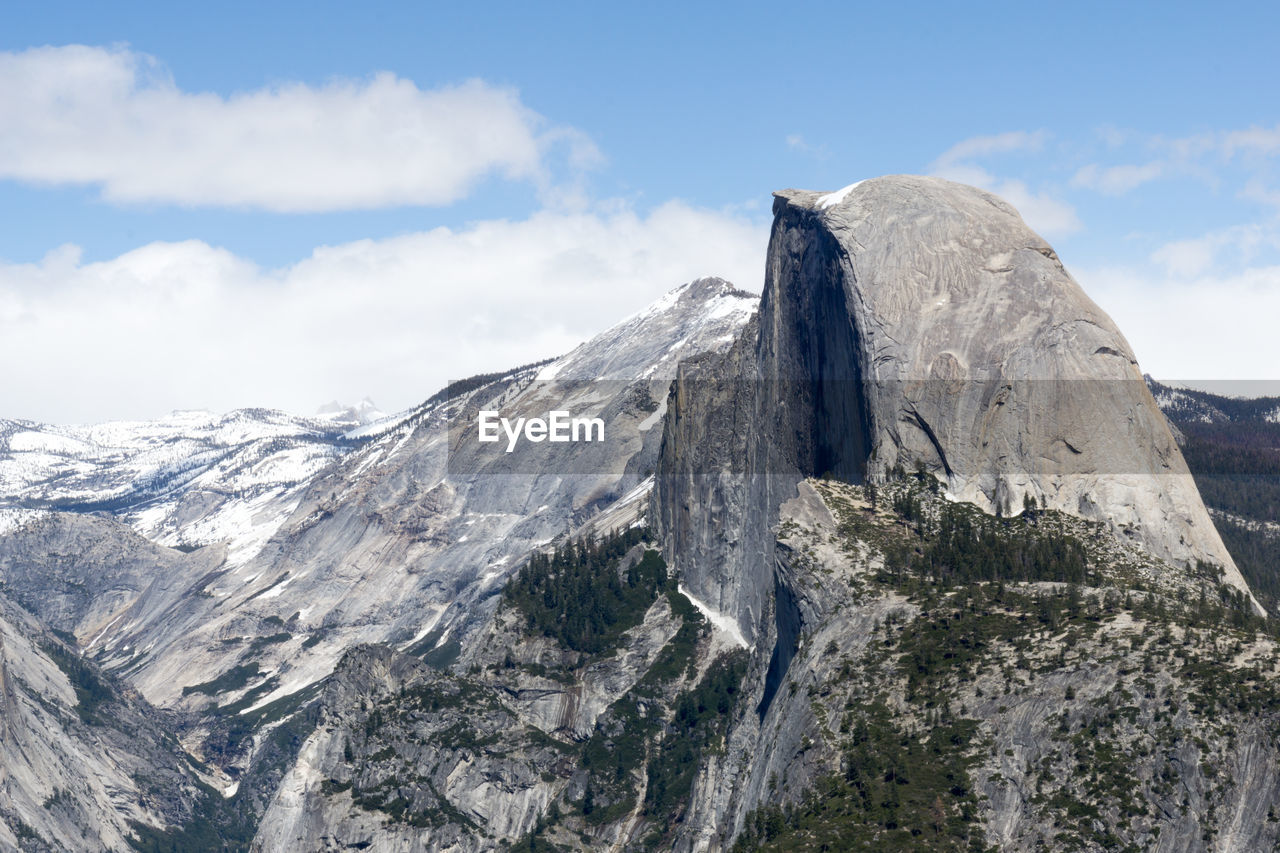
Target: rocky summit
pixel 900 555
pixel 913 322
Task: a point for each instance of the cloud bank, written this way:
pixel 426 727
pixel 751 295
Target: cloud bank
pixel 1194 328
pixel 114 119
pixel 188 325
pixel 171 325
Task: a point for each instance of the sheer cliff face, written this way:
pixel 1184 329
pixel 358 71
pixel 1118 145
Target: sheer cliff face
pixel 84 764
pixel 909 321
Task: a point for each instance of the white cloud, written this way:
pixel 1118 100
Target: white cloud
pixel 984 146
pixel 178 325
pixel 1194 329
pixel 1255 140
pixel 1043 212
pixel 1047 215
pixel 115 119
pixel 1114 137
pixel 1185 258
pixel 796 142
pixel 1255 189
pixel 1202 156
pixel 1227 251
pixel 1118 180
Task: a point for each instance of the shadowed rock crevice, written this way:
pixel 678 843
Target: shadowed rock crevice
pixel 841 431
pixel 788 624
pixel 811 356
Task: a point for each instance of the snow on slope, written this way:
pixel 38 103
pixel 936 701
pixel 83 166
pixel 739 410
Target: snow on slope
pixel 187 479
pixel 1192 405
pixel 379 533
pixel 650 343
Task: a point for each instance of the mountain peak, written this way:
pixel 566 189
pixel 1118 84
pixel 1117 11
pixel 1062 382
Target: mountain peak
pixel 708 287
pixel 915 323
pixel 360 414
pixel 698 316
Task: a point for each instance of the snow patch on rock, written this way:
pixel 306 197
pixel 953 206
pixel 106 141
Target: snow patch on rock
pixel 837 197
pixel 726 625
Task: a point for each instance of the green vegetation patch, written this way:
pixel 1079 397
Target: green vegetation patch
pixel 897 792
pixel 636 740
pixel 92 690
pixel 964 545
pixel 699 726
pixel 232 679
pixel 578 596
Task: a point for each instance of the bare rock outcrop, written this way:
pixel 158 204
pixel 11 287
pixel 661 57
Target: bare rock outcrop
pixel 906 322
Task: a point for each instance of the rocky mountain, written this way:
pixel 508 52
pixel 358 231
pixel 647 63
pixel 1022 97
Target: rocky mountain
pixel 185 480
pixel 916 322
pixel 85 763
pixel 948 691
pixel 901 554
pixel 1192 405
pixel 364 413
pixel 403 540
pixel 956 681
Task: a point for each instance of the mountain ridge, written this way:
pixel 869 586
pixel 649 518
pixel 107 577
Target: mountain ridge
pixel 721 627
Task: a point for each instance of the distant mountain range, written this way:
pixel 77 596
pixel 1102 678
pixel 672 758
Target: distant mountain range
pixel 903 553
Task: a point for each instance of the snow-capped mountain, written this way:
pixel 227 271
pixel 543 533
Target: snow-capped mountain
pixel 1190 405
pixel 386 533
pixel 185 480
pixel 356 664
pixel 361 414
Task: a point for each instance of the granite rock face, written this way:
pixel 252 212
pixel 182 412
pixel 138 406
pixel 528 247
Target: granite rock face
pixel 85 764
pixel 130 577
pixel 404 541
pixel 405 537
pixel 708 506
pixel 912 322
pixel 358 680
pixel 1093 737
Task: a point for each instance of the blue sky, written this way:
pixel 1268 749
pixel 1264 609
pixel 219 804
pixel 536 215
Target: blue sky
pixel 264 204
